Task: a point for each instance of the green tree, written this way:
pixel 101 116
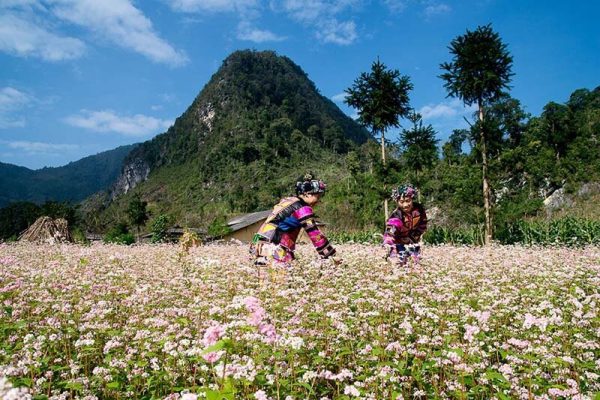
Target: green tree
pixel 481 68
pixel 557 127
pixel 17 217
pixel 452 149
pixel 381 98
pixel 137 213
pixel 419 144
pixel 159 228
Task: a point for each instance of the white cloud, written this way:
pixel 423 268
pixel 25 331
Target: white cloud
pixel 120 22
pixel 26 38
pixel 109 121
pixel 395 6
pixel 322 16
pixel 32 148
pixel 11 98
pixel 342 33
pixel 11 101
pixel 212 5
pixel 446 110
pixel 338 98
pixel 436 9
pixel 247 32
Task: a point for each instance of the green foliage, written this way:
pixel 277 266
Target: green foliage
pixel 480 68
pixel 137 212
pixel 78 236
pixel 218 228
pixel 381 97
pixel 159 227
pixel 17 217
pixel 472 235
pixel 119 234
pixel 419 144
pixel 564 231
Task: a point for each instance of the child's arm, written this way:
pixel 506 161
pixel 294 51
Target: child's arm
pixel 418 231
pixel 306 218
pixel 392 226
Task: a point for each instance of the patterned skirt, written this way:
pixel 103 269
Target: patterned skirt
pixel 267 254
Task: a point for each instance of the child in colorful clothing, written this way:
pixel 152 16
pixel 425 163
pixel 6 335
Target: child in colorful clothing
pixel 405 226
pixel 275 241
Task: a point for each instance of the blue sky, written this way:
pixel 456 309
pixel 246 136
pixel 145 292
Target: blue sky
pixel 78 77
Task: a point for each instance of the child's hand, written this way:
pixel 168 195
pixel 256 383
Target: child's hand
pixel 388 251
pixel 336 260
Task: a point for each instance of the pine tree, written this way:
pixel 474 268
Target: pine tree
pixel 480 69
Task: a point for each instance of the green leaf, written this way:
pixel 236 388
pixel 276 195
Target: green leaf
pixel 113 385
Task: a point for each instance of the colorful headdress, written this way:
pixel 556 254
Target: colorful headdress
pixel 308 185
pixel 407 191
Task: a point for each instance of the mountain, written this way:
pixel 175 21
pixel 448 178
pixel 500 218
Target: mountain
pixel 257 125
pixel 72 182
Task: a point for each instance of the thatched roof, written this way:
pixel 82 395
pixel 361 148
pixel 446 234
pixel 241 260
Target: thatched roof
pixel 47 230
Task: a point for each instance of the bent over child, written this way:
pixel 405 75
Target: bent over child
pixel 405 226
pixel 275 241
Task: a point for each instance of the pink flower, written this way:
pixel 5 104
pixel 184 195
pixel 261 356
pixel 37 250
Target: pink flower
pixel 213 356
pixel 350 390
pixel 251 303
pixel 269 331
pixel 520 344
pixel 212 334
pixel 257 312
pixel 260 395
pixel 189 396
pixel 470 332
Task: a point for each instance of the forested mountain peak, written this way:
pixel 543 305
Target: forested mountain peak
pixel 258 118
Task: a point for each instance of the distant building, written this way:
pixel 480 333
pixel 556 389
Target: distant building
pixel 245 226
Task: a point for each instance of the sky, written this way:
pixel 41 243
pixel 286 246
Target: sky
pixel 78 77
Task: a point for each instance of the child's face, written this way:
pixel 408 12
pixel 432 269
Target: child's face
pixel 405 203
pixel 312 198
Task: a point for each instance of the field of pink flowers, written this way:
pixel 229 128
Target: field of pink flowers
pixel 151 322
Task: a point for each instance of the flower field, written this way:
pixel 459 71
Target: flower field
pixel 153 322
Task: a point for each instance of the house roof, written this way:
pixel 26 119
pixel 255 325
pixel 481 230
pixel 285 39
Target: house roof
pixel 245 220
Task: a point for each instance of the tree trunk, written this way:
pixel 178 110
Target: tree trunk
pixel 385 201
pixel 487 204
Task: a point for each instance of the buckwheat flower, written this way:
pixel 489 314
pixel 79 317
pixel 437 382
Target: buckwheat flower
pixel 453 357
pixel 470 332
pixel 506 370
pixel 213 334
pixel 260 395
pixel 213 356
pixel 350 390
pixel 520 344
pixel 189 396
pixel 268 330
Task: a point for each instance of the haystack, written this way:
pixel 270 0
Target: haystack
pixel 47 230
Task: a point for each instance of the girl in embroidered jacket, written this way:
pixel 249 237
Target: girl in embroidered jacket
pixel 405 226
pixel 275 241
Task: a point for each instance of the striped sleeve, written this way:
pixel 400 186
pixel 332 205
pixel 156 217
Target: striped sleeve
pixel 307 219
